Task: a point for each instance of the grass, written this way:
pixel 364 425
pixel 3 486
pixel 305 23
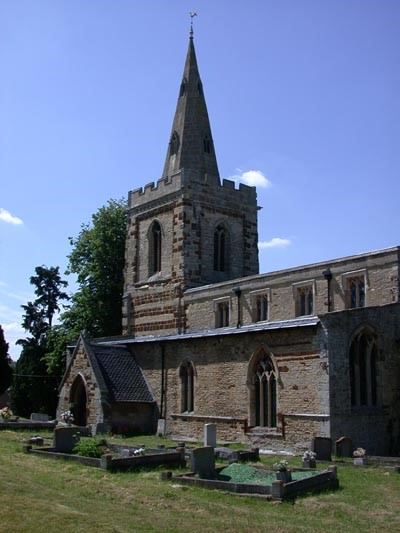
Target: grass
pixel 40 493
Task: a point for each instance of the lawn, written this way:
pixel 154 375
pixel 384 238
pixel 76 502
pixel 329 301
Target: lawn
pixel 39 493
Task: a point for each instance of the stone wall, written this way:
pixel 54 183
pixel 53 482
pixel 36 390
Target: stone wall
pixel 381 270
pixel 222 383
pixel 375 428
pixel 81 366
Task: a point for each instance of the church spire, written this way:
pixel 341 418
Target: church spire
pixel 191 145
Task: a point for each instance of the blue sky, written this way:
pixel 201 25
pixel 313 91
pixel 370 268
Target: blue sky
pixel 303 98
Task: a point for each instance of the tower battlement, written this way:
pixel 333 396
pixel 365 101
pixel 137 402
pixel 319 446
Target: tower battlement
pixel 155 190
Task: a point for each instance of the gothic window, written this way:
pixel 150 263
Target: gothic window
pixel 220 248
pixel 304 300
pixel 363 368
pixel 264 380
pixel 187 387
pixel 207 144
pixel 174 144
pixel 222 314
pixel 155 248
pixel 199 88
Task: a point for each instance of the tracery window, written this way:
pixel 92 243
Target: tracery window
pixel 187 387
pixel 220 248
pixel 155 248
pixel 265 379
pixel 363 369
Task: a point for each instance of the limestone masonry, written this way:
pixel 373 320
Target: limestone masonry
pixel 272 359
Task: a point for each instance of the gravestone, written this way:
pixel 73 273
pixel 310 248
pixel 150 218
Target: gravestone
pixel 322 446
pixel 202 462
pixel 344 447
pixel 39 417
pixel 210 435
pixel 65 438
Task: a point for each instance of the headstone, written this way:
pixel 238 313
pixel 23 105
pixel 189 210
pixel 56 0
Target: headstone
pixel 161 427
pixel 226 454
pixel 210 435
pixel 39 417
pixel 322 446
pixel 64 438
pixel 202 462
pixel 344 447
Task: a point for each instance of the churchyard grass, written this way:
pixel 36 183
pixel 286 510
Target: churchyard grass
pixel 40 493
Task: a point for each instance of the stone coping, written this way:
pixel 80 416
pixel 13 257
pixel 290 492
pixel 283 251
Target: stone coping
pixel 277 491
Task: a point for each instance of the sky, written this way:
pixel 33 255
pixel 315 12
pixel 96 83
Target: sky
pixel 303 100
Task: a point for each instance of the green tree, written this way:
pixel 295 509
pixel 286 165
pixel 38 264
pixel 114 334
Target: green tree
pixel 35 388
pixel 5 364
pixel 98 258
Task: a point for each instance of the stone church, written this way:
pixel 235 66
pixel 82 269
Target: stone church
pixel 272 359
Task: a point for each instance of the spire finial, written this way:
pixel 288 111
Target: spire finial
pixel 192 14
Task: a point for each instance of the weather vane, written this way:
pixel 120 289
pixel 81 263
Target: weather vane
pixel 192 14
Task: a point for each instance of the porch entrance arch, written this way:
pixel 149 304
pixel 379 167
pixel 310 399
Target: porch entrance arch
pixel 78 401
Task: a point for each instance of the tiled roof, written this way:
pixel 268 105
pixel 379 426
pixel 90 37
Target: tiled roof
pixel 121 374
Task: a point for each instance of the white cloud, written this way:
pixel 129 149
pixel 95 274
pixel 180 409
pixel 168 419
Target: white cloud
pixel 6 216
pixel 253 178
pixel 276 242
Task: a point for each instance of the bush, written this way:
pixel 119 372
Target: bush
pixel 90 447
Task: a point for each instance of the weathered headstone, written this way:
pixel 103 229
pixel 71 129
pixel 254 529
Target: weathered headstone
pixel 161 427
pixel 39 417
pixel 202 462
pixel 210 435
pixel 344 447
pixel 322 446
pixel 64 438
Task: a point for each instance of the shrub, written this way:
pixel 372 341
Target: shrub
pixel 90 447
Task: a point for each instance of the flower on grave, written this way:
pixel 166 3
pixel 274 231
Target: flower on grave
pixel 67 417
pixel 360 452
pixel 5 412
pixel 309 456
pixel 281 466
pixel 139 451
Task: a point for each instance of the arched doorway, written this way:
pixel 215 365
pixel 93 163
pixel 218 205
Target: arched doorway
pixel 78 400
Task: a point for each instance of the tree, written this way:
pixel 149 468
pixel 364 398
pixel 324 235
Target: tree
pixel 5 364
pixel 35 388
pixel 98 259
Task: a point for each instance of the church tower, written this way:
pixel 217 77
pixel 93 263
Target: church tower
pixel 187 229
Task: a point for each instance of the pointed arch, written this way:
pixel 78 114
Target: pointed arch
pixel 221 247
pixel 182 90
pixel 262 380
pixel 155 247
pixel 174 144
pixel 187 375
pixel 363 362
pixel 78 400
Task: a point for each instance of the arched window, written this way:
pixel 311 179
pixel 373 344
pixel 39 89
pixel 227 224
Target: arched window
pixel 199 88
pixel 183 88
pixel 220 249
pixel 174 144
pixel 264 381
pixel 187 387
pixel 155 248
pixel 362 369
